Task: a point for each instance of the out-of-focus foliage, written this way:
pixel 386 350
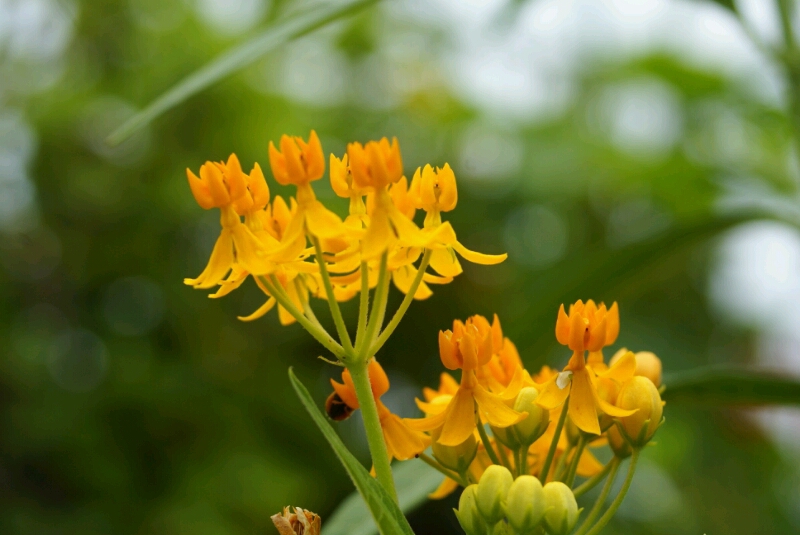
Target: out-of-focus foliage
pixel 133 405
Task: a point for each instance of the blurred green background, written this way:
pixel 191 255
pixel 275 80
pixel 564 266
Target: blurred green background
pixel 630 150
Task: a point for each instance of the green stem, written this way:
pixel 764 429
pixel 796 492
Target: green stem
pixel 363 305
pixel 401 311
pixel 336 313
pixel 576 458
pixel 503 456
pixel 307 310
pixel 433 463
pixel 601 500
pixel 785 11
pixel 554 444
pixel 372 426
pixel 592 482
pixel 321 335
pixel 606 518
pixel 485 439
pixel 380 303
pixel 561 464
pixel 523 460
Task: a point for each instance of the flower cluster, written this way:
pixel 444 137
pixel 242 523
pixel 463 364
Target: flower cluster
pixel 294 248
pixel 515 441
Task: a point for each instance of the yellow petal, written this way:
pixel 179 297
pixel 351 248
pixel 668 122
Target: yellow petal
pixel 478 258
pixel 218 264
pixel 588 465
pixel 322 222
pixel 402 442
pixel 260 311
pixel 249 251
pixel 379 237
pixel 292 243
pixel 234 280
pixel 445 489
pixel 494 410
pixel 582 402
pixel 429 423
pixel 550 395
pixel 443 234
pixel 404 277
pixel 459 419
pixel 623 368
pixel 445 262
pixel 284 316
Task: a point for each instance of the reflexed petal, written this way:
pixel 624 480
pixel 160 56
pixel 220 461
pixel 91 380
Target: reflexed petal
pixel 234 280
pixel 322 222
pixel 402 442
pixel 379 237
pixel 550 395
pixel 404 277
pixel 445 262
pixel 260 311
pixel 494 410
pixel 249 251
pixel 284 316
pixel 429 423
pixel 445 489
pixel 623 368
pixel 219 263
pixel 588 465
pixel 478 258
pixel 459 419
pixel 582 402
pixel 346 393
pixel 293 242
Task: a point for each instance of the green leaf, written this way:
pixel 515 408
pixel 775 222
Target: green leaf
pixel 728 386
pixel 386 514
pixel 281 32
pixel 414 481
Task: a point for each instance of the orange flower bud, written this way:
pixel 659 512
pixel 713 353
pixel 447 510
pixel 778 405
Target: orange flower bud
pixel 297 162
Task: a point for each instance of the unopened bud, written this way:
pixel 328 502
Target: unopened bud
pixel 525 505
pixel 467 513
pixel 492 493
pixel 525 433
pixel 456 458
pixel 617 443
pixel 561 509
pixel 640 393
pixel 608 391
pixel 649 365
pixel 502 528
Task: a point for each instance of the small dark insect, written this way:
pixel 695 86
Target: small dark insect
pixel 337 409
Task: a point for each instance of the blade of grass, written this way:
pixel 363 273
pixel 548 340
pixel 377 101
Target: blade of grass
pixel 279 33
pixel 385 512
pixel 414 480
pixel 729 386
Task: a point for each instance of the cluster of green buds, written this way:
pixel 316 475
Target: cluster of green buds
pixel 502 505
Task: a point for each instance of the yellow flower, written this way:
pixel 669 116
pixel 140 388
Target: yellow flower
pixel 299 163
pixel 467 347
pixel 402 442
pixel 436 192
pixel 226 187
pixel 647 364
pixel 583 329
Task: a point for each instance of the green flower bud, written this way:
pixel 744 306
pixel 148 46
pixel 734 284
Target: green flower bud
pixel 525 505
pixel 492 492
pixel 525 433
pixel 467 513
pixel 502 528
pixel 561 509
pixel 456 458
pixel 618 444
pixel 640 393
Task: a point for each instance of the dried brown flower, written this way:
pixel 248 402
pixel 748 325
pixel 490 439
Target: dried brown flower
pixel 301 522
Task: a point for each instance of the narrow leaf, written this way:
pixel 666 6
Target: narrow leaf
pixel 414 480
pixel 727 386
pixel 386 514
pixel 237 58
